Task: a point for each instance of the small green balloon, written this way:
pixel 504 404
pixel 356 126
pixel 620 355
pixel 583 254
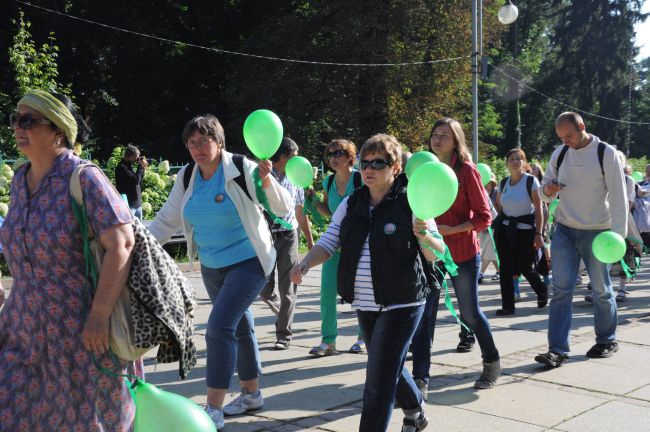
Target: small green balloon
pixel 552 207
pixel 161 411
pixel 485 171
pixel 263 133
pixel 418 159
pixel 637 176
pixel 608 247
pixel 299 171
pixel 432 190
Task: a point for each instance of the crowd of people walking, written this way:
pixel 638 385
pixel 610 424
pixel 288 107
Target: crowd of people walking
pixel 376 255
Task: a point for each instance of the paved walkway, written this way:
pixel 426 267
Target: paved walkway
pixel 303 393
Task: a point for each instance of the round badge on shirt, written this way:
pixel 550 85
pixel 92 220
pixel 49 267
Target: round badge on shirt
pixel 390 228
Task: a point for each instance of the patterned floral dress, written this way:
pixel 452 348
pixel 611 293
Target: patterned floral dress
pixel 48 380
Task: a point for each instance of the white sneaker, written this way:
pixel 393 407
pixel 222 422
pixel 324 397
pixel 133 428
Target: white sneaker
pixel 244 402
pixel 216 415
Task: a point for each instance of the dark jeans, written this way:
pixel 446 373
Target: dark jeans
pixel 518 259
pixel 286 246
pixel 466 289
pixel 230 334
pixel 387 335
pixel 423 337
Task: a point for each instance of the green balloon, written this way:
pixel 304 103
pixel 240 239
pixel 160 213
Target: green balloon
pixel 161 411
pixel 417 160
pixel 637 176
pixel 608 247
pixel 553 206
pixel 299 171
pixel 432 189
pixel 485 171
pixel 263 133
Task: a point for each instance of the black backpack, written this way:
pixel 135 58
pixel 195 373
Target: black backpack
pixel 356 180
pixel 601 155
pixel 529 185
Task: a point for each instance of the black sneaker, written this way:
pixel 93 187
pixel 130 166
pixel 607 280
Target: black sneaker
pixel 465 346
pixel 416 425
pixel 603 350
pixel 480 278
pixel 551 359
pixel 505 312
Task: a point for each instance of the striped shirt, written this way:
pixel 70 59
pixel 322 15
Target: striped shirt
pixel 364 295
pixel 298 197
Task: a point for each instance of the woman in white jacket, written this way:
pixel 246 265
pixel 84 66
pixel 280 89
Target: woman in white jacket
pixel 228 230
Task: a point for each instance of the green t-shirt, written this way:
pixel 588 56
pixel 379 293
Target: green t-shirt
pixel 333 197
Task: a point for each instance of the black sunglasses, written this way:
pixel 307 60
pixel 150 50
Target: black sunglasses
pixel 25 121
pixel 376 164
pixel 336 154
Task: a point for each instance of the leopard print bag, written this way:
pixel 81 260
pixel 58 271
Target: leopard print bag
pixel 156 306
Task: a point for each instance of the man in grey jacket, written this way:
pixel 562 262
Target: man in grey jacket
pixel 586 175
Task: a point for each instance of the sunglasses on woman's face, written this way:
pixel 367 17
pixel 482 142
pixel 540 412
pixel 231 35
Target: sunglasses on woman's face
pixel 26 121
pixel 376 164
pixel 336 154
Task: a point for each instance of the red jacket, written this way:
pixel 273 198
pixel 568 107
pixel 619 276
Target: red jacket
pixel 470 205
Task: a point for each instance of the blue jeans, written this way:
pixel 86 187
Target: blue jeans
pixel 387 335
pixel 423 337
pixel 568 246
pixel 230 335
pixel 137 212
pixel 466 289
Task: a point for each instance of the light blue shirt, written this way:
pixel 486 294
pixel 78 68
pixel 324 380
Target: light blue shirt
pixel 218 231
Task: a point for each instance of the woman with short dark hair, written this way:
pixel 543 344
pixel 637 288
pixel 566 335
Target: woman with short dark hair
pixel 224 224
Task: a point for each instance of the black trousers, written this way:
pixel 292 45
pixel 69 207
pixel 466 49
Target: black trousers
pixel 517 258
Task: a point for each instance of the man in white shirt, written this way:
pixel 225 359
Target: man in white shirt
pixel 587 176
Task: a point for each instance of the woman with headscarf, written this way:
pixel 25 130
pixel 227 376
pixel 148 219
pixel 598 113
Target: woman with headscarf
pixel 54 354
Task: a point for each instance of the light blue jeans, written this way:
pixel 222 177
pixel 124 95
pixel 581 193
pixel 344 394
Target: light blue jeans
pixel 137 212
pixel 230 335
pixel 567 247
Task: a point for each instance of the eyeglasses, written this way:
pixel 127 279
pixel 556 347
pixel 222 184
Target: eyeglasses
pixel 25 121
pixel 336 154
pixel 376 164
pixel 200 143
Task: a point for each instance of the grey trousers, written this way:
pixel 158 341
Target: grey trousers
pixel 283 302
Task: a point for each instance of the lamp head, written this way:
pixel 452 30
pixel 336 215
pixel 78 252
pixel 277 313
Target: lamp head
pixel 508 13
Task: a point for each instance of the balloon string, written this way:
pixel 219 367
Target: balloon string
pixel 452 269
pixel 496 254
pixel 263 200
pixel 110 373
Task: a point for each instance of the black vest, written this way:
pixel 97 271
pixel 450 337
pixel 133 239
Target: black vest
pixel 398 275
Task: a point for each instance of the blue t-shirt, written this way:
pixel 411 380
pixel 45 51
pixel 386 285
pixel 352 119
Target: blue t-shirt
pixel 218 231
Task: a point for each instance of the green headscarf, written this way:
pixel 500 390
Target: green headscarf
pixel 54 110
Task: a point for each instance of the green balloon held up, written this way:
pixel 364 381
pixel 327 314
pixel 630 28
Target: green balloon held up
pixel 263 133
pixel 418 159
pixel 161 411
pixel 637 176
pixel 299 172
pixel 432 189
pixel 485 171
pixel 608 247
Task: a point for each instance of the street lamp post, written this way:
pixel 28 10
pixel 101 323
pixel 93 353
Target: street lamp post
pixel 507 15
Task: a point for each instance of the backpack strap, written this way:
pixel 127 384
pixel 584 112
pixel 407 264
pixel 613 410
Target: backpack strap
pixel 529 186
pixel 238 160
pixel 601 155
pixel 328 186
pixel 356 179
pixel 560 159
pixel 503 184
pixel 187 175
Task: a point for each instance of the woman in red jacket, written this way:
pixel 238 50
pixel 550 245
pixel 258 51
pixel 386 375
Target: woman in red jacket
pixel 469 214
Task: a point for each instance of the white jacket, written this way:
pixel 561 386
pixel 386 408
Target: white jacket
pixel 170 216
